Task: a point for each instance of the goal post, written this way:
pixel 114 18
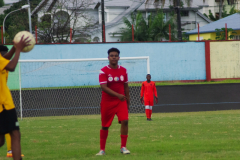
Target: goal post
pixel 52 87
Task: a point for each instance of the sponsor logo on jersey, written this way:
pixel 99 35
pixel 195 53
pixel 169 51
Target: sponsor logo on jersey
pixel 110 79
pixel 109 75
pixel 122 78
pixel 116 79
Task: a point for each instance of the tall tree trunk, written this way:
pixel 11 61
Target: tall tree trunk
pixel 103 21
pixel 220 9
pixel 179 21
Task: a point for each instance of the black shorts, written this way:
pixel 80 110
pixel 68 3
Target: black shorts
pixel 8 121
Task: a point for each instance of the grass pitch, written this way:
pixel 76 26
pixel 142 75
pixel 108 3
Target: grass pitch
pixel 175 136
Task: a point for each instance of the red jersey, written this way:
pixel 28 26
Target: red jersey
pixel 115 79
pixel 148 89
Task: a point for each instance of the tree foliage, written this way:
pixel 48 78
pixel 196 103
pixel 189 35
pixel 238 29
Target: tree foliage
pixel 154 29
pixel 55 25
pixel 233 10
pixel 1 3
pixel 220 33
pixel 17 21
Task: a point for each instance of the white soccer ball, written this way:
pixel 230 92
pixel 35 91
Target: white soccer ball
pixel 26 34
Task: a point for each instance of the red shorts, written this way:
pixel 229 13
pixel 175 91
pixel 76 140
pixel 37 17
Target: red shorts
pixel 111 108
pixel 148 102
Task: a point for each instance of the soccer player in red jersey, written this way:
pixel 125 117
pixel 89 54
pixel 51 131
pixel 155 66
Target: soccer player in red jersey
pixel 147 91
pixel 115 99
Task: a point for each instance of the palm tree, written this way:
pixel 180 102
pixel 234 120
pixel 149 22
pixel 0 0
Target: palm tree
pixel 155 30
pixel 175 3
pixel 141 31
pixel 160 29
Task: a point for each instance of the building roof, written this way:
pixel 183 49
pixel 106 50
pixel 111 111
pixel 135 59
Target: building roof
pixel 3 8
pixel 232 21
pixel 194 5
pixel 10 1
pixel 121 3
pixel 47 5
pixel 134 5
pixel 204 17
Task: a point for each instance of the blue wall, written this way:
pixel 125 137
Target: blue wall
pixel 168 61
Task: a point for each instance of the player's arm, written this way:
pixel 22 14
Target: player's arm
pixel 126 89
pixel 19 47
pixel 106 89
pixel 10 53
pixel 155 92
pixel 141 96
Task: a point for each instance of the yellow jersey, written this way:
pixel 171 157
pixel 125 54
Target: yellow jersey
pixel 5 94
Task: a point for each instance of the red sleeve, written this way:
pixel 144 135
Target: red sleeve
pixel 155 90
pixel 142 89
pixel 102 77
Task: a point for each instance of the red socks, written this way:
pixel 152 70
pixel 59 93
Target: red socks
pixel 147 112
pixel 150 113
pixel 123 140
pixel 103 139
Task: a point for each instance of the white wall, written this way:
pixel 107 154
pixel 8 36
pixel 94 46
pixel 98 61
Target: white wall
pixel 214 7
pixel 192 19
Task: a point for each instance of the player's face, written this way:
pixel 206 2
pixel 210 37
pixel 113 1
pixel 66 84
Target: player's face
pixel 113 58
pixel 148 77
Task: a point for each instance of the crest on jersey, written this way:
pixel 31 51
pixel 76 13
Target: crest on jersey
pixel 122 78
pixel 110 79
pixel 116 79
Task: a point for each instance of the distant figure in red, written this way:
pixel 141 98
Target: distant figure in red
pixel 147 91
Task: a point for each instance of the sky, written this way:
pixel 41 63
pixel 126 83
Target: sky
pixel 10 1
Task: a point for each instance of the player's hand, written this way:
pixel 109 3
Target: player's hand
pixel 156 99
pixel 141 99
pixel 24 42
pixel 122 97
pixel 128 103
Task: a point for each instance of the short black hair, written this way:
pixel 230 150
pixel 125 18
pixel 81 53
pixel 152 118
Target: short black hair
pixel 113 50
pixel 148 74
pixel 3 48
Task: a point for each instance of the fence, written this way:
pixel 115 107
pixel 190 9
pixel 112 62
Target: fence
pixel 104 38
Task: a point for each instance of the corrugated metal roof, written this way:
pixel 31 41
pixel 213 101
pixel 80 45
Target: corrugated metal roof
pixel 232 21
pixel 90 4
pixel 150 5
pixel 119 3
pixel 204 17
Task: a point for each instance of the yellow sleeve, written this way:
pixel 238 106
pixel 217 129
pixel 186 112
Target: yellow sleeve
pixel 3 62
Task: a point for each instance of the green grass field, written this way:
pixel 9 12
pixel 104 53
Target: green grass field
pixel 175 136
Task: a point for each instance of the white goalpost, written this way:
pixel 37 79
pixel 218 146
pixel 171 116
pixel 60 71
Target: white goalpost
pixel 55 87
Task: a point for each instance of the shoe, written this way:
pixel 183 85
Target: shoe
pixel 124 150
pixel 147 119
pixel 150 119
pixel 100 153
pixel 9 154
